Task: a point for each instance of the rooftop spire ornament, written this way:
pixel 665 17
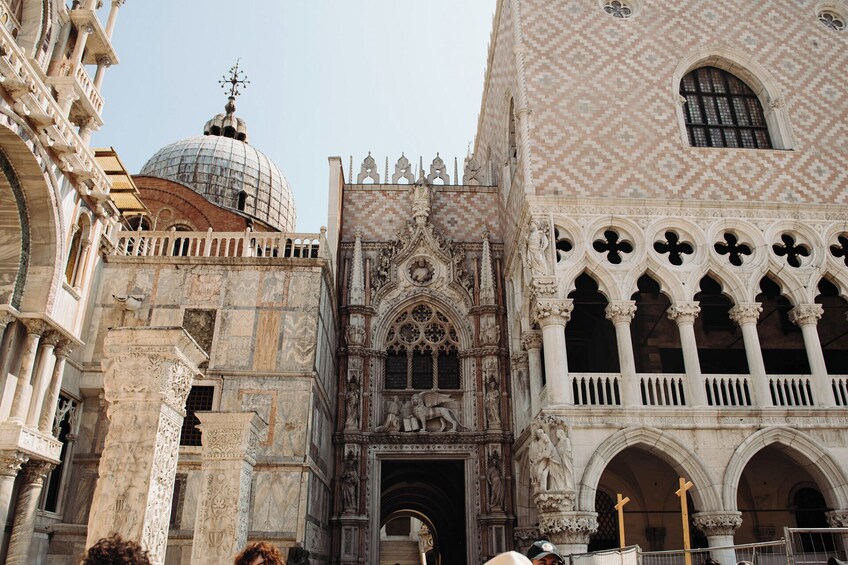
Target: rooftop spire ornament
pixel 235 80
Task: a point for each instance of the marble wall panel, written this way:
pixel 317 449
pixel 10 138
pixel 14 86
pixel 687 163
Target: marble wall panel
pixel 237 323
pixel 275 288
pixel 303 289
pixel 276 500
pixel 267 340
pixel 205 288
pixel 166 316
pixel 237 353
pixel 193 485
pixel 298 341
pixel 170 287
pixel 242 288
pixel 264 403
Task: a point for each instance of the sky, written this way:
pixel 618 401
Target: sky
pixel 327 78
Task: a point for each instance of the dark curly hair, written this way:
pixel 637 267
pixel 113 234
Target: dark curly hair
pixel 115 550
pixel 264 549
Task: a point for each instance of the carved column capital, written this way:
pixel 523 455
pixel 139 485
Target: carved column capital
pixel 36 327
pixel 35 472
pixel 746 313
pixel 806 314
pixel 230 436
pixel 684 312
pixel 531 339
pixel 51 338
pixel 150 364
pixel 6 318
pixel 520 360
pixel 621 312
pixel 837 518
pixel 11 462
pixel 64 348
pixel 552 311
pixel 568 528
pixel 717 523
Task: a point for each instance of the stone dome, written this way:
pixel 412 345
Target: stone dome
pixel 228 172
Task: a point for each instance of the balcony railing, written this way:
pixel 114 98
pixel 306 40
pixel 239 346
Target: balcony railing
pixel 219 244
pixel 596 389
pixel 76 77
pixel 728 390
pixel 662 390
pixel 840 390
pixel 791 390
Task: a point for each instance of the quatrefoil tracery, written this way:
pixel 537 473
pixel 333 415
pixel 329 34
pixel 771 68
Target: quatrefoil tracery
pixel 733 249
pixel 791 250
pixel 841 250
pixel 675 248
pixel 613 246
pixel 563 244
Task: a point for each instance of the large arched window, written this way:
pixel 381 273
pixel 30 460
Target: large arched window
pixel 422 351
pixel 722 111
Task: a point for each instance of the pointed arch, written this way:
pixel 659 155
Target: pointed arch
pixel 456 319
pixel 662 444
pixel 757 77
pixel 800 447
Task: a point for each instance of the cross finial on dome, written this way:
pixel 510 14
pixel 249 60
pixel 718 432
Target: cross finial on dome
pixel 236 79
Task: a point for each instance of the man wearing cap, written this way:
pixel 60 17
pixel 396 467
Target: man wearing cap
pixel 544 552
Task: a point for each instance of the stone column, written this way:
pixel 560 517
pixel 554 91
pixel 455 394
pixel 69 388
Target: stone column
pixel 113 16
pixel 10 464
pixel 569 531
pixel 6 319
pixel 806 317
pixel 45 422
pixel 532 342
pixel 22 529
pixel 684 314
pixel 552 314
pixel 147 376
pixel 719 528
pixel 23 389
pixel 229 454
pixel 746 316
pixel 79 46
pixel 102 64
pixel 41 381
pixel 621 314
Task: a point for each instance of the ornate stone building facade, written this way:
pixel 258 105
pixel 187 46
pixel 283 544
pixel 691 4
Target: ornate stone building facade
pixel 638 275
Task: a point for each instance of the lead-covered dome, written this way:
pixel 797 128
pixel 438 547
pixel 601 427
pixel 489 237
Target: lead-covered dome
pixel 227 171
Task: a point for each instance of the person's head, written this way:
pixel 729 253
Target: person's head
pixel 544 552
pixel 114 550
pixel 260 553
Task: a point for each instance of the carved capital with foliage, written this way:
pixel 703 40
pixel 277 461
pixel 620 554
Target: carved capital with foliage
pixel 717 523
pixel 684 312
pixel 746 313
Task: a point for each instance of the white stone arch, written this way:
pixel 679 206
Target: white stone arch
pixel 839 279
pixel 745 67
pixel 607 285
pixel 684 461
pixel 800 447
pixel 670 287
pixel 39 258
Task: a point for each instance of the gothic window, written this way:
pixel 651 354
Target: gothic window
pixel 199 400
pixel 422 351
pixel 513 144
pixel 77 252
pixel 16 8
pixel 722 111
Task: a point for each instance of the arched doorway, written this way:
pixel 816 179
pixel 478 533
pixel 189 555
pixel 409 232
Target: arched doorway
pixel 434 492
pixel 652 517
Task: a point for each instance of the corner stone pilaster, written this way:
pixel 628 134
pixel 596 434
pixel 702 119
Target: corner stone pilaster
pixel 147 376
pixel 229 454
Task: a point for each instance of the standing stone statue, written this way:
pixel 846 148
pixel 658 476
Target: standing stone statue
pixel 495 480
pixel 350 484
pixel 564 450
pixel 493 405
pixel 421 195
pixel 546 467
pixel 536 242
pixel 352 405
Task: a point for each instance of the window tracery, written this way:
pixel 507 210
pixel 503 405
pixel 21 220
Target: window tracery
pixel 422 351
pixel 618 9
pixel 831 20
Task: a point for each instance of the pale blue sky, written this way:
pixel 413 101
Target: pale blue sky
pixel 327 77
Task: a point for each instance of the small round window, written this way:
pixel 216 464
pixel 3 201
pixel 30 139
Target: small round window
pixel 832 20
pixel 618 9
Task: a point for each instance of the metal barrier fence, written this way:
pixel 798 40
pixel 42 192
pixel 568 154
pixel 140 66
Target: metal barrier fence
pixel 800 546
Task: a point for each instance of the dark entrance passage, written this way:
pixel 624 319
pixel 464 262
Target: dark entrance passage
pixel 434 490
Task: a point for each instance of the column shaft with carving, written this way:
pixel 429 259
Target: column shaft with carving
pixel 148 374
pixel 24 525
pixel 684 314
pixel 229 454
pixel 621 314
pixel 806 317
